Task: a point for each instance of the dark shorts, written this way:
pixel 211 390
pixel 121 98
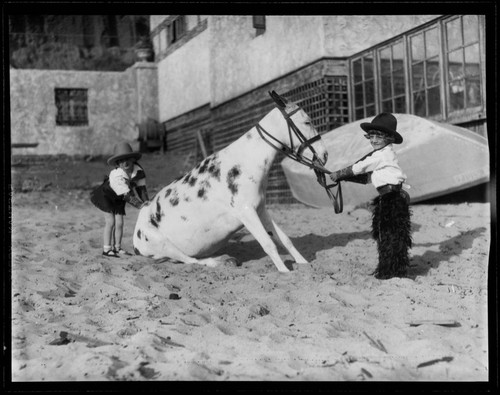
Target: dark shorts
pixel 105 199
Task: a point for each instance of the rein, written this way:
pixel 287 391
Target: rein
pixel 338 202
pixel 316 163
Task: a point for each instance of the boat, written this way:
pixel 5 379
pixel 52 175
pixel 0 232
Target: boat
pixel 437 158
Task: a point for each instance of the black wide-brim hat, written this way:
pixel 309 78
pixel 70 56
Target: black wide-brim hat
pixel 384 122
pixel 123 151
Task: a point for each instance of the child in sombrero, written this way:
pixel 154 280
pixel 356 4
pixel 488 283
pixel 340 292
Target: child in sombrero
pixel 391 225
pixel 126 183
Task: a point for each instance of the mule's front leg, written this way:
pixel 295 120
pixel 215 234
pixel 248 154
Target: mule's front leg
pixel 252 222
pixel 280 236
pixel 169 250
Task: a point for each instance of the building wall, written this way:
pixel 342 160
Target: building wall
pixel 113 109
pixel 241 60
pixel 228 58
pixel 145 88
pixel 155 20
pixel 345 35
pixel 184 78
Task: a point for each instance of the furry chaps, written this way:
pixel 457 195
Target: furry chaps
pixel 391 228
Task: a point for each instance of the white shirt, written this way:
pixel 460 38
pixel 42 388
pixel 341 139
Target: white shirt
pixel 119 180
pixel 384 165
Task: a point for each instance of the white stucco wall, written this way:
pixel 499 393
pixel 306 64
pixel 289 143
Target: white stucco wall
pixel 155 20
pixel 117 102
pixel 228 59
pixel 111 111
pixel 241 61
pixel 346 35
pixel 183 78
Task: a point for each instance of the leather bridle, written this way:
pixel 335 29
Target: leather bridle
pixel 297 155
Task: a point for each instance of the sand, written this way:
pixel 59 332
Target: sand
pixel 80 316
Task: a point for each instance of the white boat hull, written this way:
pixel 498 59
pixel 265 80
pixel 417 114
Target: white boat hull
pixel 437 159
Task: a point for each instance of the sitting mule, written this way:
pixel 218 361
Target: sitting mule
pixel 196 215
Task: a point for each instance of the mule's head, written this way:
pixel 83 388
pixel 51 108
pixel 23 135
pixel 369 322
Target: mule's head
pixel 294 129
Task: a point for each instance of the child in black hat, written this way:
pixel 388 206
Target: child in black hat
pixel 125 183
pixel 391 225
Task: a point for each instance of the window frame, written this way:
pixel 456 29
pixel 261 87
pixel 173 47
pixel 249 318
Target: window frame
pixel 176 29
pixel 259 24
pixel 72 116
pixel 463 115
pixel 427 87
pixel 459 113
pixel 393 94
pixel 364 83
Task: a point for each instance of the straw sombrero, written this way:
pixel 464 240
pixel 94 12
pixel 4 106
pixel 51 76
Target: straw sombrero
pixel 123 151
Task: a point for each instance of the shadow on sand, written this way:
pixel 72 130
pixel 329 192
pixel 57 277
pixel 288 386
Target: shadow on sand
pixel 421 264
pixel 309 245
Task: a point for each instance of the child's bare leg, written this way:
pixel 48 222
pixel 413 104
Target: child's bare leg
pixel 113 235
pixel 108 231
pixel 118 231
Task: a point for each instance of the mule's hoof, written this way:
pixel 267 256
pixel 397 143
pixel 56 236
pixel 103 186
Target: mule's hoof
pixel 210 262
pixel 233 262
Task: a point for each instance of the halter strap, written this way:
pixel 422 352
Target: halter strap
pixel 316 164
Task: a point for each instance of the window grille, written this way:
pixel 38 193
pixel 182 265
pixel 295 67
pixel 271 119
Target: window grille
pixel 324 100
pixel 71 105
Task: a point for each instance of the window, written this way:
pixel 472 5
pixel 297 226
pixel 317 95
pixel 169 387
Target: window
pixel 435 71
pixel 425 73
pixel 463 63
pixel 176 29
pixel 392 78
pixel 110 30
pixel 71 107
pixel 364 86
pixel 259 24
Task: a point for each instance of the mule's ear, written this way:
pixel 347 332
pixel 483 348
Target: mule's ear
pixel 279 100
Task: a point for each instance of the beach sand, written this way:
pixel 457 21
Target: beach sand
pixel 80 316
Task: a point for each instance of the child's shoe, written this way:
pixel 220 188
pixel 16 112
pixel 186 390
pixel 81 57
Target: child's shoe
pixel 121 251
pixel 111 253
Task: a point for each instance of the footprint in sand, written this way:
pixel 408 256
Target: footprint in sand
pixel 156 311
pixel 203 372
pixel 195 319
pixel 349 299
pixel 226 329
pixel 127 332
